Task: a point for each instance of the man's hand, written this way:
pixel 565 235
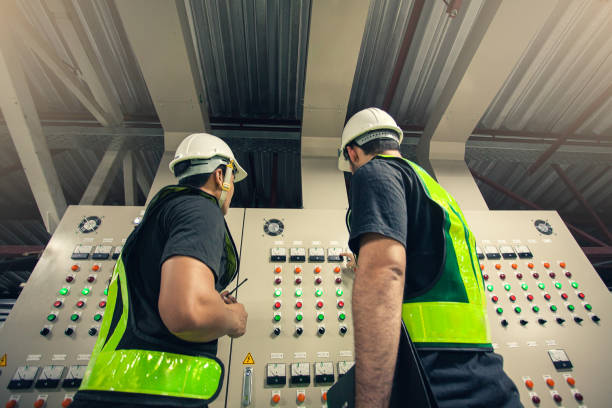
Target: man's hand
pixel 240 320
pixel 351 262
pixel 227 298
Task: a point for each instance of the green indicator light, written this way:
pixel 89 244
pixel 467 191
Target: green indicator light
pixel 106 292
pixel 553 308
pixel 341 316
pixel 490 288
pixel 570 308
pixel 98 317
pixel 575 285
pixel 517 309
pixel 51 317
pixel 536 309
pixel 74 317
pixel 524 286
pixel 499 310
pixel 588 307
pixel 63 291
pixel 320 317
pixel 299 317
pixel 339 292
pixel 85 291
pixel 277 318
pixel 277 292
pixel 298 292
pixel 318 293
pixel 507 287
pixel 541 286
pixel 557 285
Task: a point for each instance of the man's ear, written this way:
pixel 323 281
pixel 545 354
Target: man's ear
pixel 219 177
pixel 353 154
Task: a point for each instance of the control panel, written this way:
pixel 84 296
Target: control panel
pixel 46 342
pixel 548 309
pixel 299 332
pixel 546 305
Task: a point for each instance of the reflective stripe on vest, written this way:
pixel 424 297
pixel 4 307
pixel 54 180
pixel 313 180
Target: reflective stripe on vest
pixel 144 371
pixel 152 372
pixel 453 312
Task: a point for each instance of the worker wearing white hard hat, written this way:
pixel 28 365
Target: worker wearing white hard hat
pixel 166 303
pixel 417 277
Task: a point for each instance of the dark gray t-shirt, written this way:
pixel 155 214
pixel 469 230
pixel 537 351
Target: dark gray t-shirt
pixel 387 198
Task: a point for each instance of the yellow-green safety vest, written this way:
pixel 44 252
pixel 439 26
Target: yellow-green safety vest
pixel 153 372
pixel 452 314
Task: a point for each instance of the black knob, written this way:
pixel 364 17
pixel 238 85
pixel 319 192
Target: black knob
pixel 343 329
pixel 595 318
pixel 277 331
pixel 523 322
pixel 578 319
pixel 93 331
pixel 504 323
pixel 321 330
pixel 541 321
pixel 299 331
pixel 69 331
pixel 560 320
pixel 45 331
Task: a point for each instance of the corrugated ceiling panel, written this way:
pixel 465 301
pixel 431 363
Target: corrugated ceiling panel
pixel 253 56
pixel 567 66
pixel 105 32
pixel 437 41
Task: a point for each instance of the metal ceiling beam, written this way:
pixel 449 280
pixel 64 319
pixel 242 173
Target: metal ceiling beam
pixel 69 24
pixel 20 250
pixel 533 205
pixel 158 31
pixel 500 35
pixel 580 198
pixel 26 133
pixel 413 21
pixel 129 187
pixel 24 31
pixel 330 70
pixel 571 130
pixel 142 180
pixel 107 170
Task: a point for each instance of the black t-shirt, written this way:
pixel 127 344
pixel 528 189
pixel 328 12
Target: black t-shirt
pixel 387 198
pixel 188 225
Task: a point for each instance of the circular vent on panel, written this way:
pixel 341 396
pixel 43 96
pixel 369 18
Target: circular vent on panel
pixel 274 227
pixel 90 224
pixel 543 227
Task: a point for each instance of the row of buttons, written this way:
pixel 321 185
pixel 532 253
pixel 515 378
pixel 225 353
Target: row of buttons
pixel 300 396
pixel 298 269
pixel 551 385
pixel 40 402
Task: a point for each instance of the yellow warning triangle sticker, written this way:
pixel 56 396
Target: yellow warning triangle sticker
pixel 247 360
pixel 3 361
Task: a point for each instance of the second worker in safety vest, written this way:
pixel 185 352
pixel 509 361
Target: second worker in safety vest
pixel 166 309
pixel 416 261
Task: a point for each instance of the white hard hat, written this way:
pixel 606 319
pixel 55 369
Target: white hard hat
pixel 210 151
pixel 367 121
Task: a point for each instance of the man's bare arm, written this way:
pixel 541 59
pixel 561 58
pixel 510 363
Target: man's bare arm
pixel 377 307
pixel 191 308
